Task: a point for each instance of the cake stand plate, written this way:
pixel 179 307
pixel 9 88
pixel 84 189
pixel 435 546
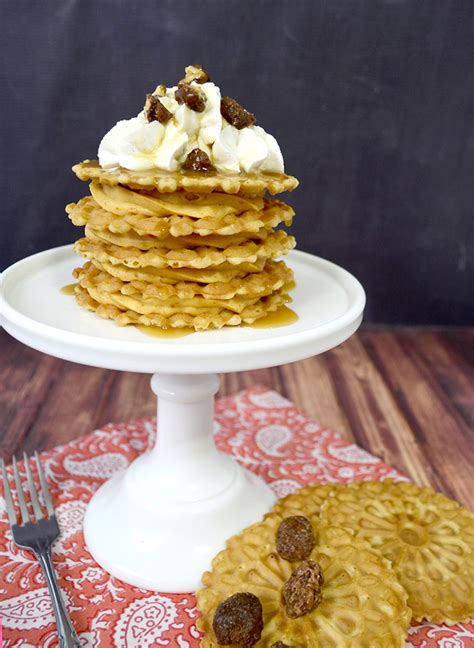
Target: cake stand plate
pixel 157 524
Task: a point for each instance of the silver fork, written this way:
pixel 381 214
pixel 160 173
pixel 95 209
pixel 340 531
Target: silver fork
pixel 38 536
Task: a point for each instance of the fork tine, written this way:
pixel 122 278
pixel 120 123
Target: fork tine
pixel 21 495
pixel 8 497
pixel 32 489
pixel 44 487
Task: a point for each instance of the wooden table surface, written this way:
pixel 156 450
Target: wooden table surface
pixel 405 394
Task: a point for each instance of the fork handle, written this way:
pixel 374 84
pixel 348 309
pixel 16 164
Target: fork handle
pixel 67 635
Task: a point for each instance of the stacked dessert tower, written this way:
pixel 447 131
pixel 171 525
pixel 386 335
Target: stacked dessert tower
pixel 179 231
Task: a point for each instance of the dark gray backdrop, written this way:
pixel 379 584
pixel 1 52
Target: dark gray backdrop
pixel 370 101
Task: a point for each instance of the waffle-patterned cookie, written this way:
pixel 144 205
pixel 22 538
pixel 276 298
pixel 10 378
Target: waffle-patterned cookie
pixel 306 501
pixel 150 300
pixel 88 211
pixel 169 181
pixel 124 201
pixel 273 277
pixel 149 242
pixel 276 244
pixel 224 273
pixel 428 538
pixel 107 305
pixel 362 602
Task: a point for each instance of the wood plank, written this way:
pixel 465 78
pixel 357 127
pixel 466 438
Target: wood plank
pixel 130 398
pixel 236 381
pixel 377 423
pixel 74 406
pixel 441 435
pixel 25 380
pixel 310 386
pixel 455 371
pixel 463 341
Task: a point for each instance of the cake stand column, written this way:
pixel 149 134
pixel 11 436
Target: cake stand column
pixel 158 524
pixel 185 461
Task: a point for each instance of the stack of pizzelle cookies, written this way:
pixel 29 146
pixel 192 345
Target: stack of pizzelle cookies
pixel 192 248
pixel 342 566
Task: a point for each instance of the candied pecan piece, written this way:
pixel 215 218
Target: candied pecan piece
pixel 190 95
pixel 196 73
pixel 280 644
pixel 155 111
pixel 302 591
pixel 198 160
pixel 238 620
pixel 236 114
pixel 295 538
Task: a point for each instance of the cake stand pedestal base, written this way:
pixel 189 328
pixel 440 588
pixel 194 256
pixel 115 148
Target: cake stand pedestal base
pixel 158 524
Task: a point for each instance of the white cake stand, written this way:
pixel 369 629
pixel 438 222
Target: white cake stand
pixel 157 524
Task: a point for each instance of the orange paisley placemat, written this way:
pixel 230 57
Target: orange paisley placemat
pixel 264 432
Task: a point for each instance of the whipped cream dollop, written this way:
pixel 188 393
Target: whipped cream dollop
pixel 140 145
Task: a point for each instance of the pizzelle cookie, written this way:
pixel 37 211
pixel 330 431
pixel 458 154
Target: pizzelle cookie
pixel 200 319
pixel 225 273
pixel 178 196
pixel 360 602
pixel 127 281
pixel 94 246
pixel 123 201
pixel 168 181
pixel 306 501
pixel 427 537
pixel 150 300
pixel 88 211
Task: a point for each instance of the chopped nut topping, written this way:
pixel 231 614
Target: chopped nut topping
pixel 236 114
pixel 295 538
pixel 155 111
pixel 196 73
pixel 238 620
pixel 190 95
pixel 302 591
pixel 280 644
pixel 198 160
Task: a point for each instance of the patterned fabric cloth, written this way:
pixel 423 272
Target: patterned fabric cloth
pixel 263 431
